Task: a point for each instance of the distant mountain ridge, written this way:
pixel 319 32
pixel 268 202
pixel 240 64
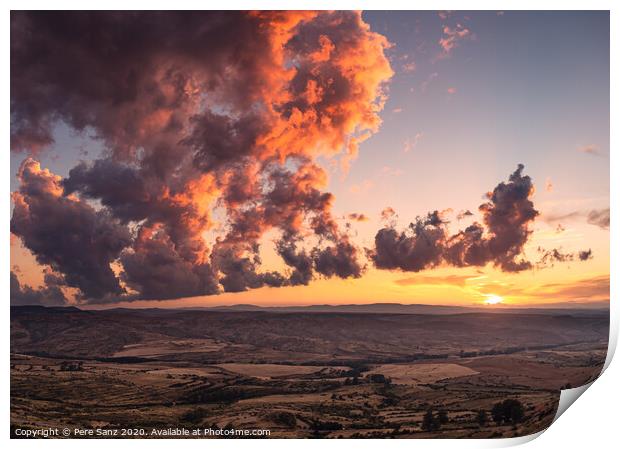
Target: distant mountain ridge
pixel 598 308
pixel 421 309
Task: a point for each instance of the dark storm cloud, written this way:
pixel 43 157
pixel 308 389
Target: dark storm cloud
pixel 155 268
pixel 585 254
pixel 298 260
pixel 240 271
pixel 115 71
pixel 499 239
pixel 118 187
pixel 197 110
pixel 68 235
pixel 599 218
pixel 548 257
pixel 419 247
pixel 48 295
pixel 339 260
pixel 507 217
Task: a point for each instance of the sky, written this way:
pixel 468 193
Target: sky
pixel 281 164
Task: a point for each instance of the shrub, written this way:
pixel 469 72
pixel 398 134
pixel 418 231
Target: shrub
pixel 510 411
pixel 430 422
pixel 482 418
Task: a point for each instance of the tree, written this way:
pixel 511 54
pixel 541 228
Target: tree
pixel 430 423
pixel 379 379
pixel 442 416
pixel 71 366
pixel 510 411
pixel 497 412
pixel 286 419
pixel 195 416
pixel 482 418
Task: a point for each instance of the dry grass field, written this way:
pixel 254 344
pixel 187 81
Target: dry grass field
pixel 422 373
pixel 354 376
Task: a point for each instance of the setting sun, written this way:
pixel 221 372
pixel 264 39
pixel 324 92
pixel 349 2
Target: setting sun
pixel 493 299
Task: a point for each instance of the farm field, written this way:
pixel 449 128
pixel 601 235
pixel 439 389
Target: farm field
pixel 367 382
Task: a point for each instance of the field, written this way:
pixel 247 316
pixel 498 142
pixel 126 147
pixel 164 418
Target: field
pixel 422 373
pixel 326 375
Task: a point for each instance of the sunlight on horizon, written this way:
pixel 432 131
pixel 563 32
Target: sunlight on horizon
pixel 493 299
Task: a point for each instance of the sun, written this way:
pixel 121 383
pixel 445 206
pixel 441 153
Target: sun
pixel 493 299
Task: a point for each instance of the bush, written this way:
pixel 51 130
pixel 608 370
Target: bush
pixel 510 411
pixel 482 418
pixel 442 416
pixel 195 416
pixel 284 418
pixel 379 379
pixel 430 423
pixel 317 425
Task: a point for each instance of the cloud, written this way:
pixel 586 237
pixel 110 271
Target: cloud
pixel 429 79
pixel 451 38
pixel 590 149
pixel 548 185
pixel 451 90
pixel 357 217
pixel 599 218
pixel 553 255
pixel 500 239
pixel 388 213
pixel 338 260
pixel 67 234
pixel 596 217
pixel 551 217
pixel 409 67
pixel 49 295
pixel 588 288
pixel 197 111
pixel 464 214
pixel 418 248
pixel 410 144
pixel 154 267
pixel 585 255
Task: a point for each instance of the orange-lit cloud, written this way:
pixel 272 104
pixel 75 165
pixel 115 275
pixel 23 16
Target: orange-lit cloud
pixel 203 110
pixel 451 38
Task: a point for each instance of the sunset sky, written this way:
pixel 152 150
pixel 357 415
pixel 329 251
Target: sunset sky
pixel 201 145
